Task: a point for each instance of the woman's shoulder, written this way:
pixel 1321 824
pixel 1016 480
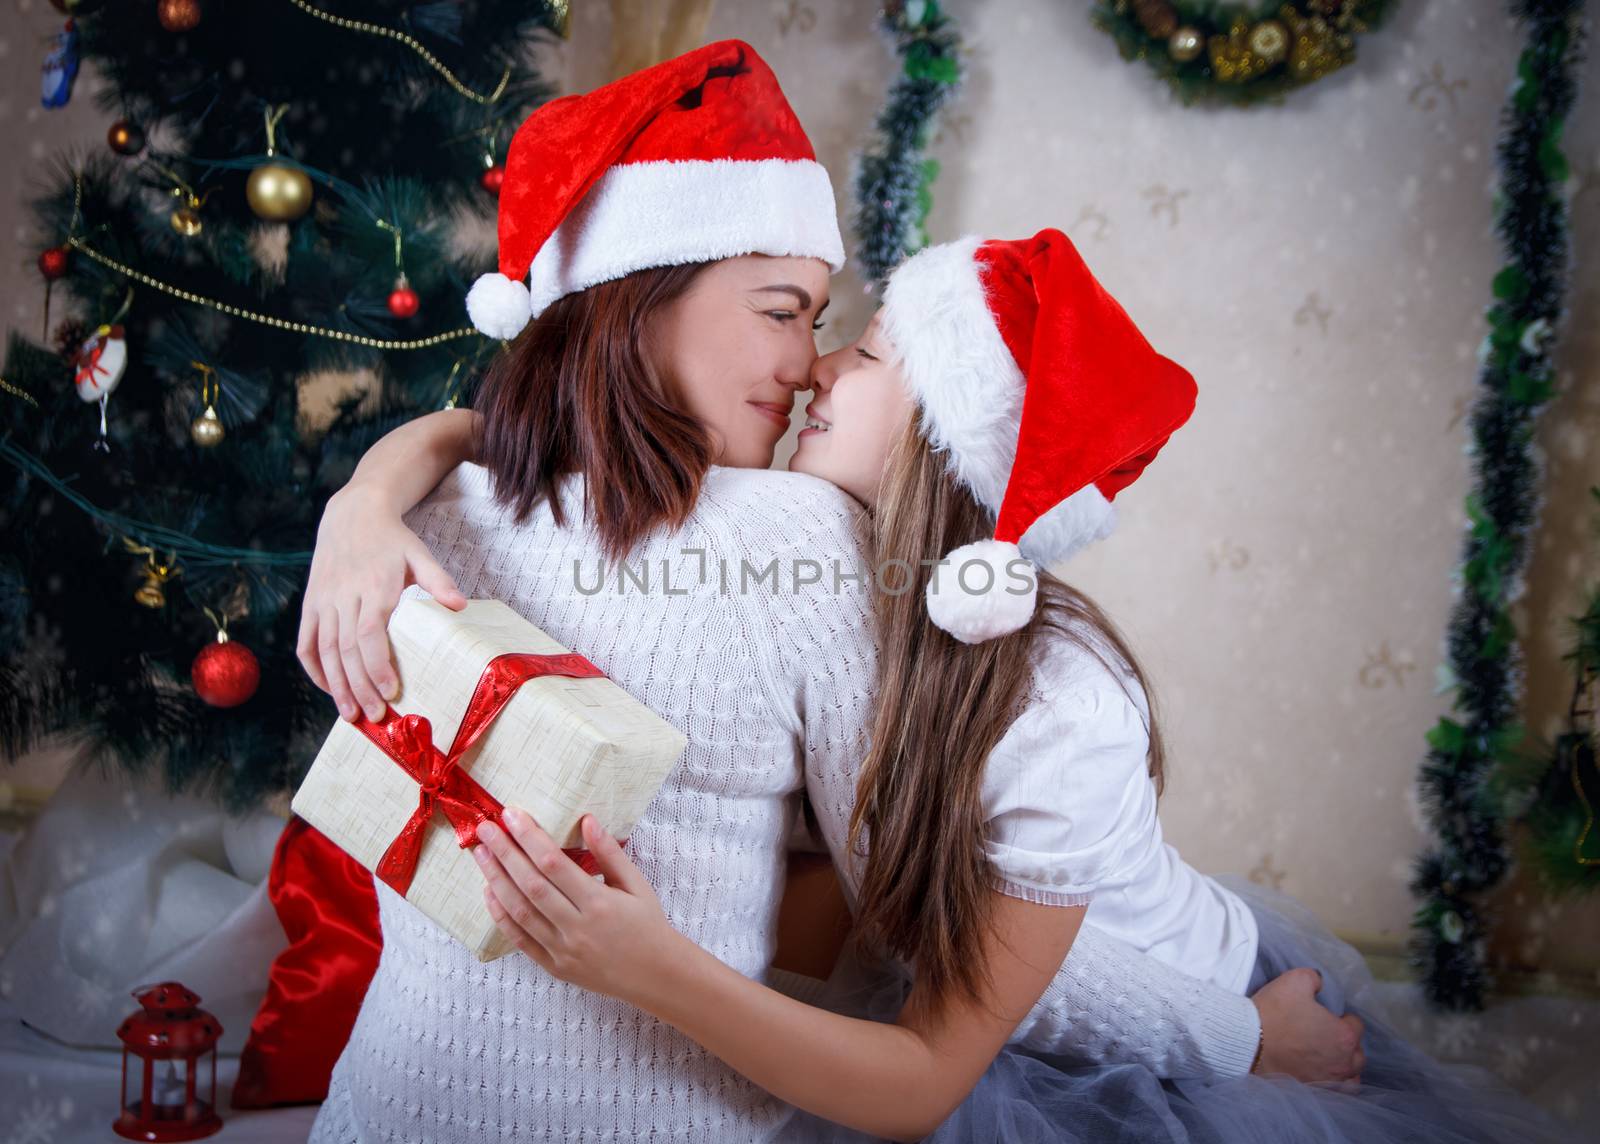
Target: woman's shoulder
pixel 781 512
pixel 468 481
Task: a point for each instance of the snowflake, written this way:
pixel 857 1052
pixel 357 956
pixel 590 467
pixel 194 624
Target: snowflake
pixel 1456 1035
pixel 1512 1060
pixel 87 997
pixel 39 1122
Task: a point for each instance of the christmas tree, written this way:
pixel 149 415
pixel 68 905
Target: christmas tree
pixel 275 209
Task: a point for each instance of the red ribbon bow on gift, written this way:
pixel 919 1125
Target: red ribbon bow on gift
pixel 408 740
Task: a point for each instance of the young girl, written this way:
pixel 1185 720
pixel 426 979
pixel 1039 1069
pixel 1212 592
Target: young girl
pixel 988 416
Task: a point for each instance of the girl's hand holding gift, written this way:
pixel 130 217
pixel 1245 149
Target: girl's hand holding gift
pixel 366 556
pixel 607 938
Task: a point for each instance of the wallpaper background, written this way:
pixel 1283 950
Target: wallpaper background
pixel 1284 568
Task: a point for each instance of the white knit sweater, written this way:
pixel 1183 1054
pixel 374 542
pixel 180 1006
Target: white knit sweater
pixel 446 1049
pixel 769 678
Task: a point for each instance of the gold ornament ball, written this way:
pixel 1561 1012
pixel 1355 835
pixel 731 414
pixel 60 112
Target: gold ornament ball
pixel 1185 44
pixel 186 221
pixel 178 15
pixel 206 430
pixel 1269 40
pixel 278 192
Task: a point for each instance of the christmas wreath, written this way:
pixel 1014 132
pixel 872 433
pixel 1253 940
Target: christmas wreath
pixel 1227 53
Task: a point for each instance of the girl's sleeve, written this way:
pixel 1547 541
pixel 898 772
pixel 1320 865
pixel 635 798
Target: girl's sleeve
pixel 1111 1004
pixel 1067 794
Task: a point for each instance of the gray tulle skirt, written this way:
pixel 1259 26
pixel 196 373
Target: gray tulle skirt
pixel 1405 1096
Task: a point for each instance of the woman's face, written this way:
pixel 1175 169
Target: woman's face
pixel 738 344
pixel 860 409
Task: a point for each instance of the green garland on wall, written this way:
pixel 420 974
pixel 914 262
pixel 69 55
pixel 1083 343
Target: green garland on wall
pixel 1461 791
pixel 1239 54
pixel 894 182
pixel 1555 793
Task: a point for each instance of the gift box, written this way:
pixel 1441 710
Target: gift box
pixel 492 712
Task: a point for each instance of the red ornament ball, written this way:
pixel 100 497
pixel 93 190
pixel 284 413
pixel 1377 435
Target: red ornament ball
pixel 53 263
pixel 225 673
pixel 403 300
pixel 492 178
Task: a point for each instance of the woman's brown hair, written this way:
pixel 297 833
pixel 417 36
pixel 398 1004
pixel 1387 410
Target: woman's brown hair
pixel 941 706
pixel 578 391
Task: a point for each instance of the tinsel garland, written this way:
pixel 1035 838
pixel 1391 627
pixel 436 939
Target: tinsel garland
pixel 894 180
pixel 1461 798
pixel 1237 53
pixel 1555 792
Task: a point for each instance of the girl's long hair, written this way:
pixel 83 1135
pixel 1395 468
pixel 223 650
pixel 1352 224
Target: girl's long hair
pixel 941 707
pixel 578 391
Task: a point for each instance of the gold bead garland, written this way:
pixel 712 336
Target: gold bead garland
pixel 250 315
pixel 390 33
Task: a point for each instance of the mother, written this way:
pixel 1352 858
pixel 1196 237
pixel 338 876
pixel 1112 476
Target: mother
pixel 679 234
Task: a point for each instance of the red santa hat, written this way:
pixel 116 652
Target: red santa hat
pixel 695 159
pixel 1047 399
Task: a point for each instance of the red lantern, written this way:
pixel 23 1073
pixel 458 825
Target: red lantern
pixel 174 1097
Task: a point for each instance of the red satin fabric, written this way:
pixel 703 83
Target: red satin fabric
pixel 1100 401
pixel 441 783
pixel 329 910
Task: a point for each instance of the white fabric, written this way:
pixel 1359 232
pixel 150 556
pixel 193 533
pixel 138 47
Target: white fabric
pixel 667 213
pixel 936 317
pixel 1068 528
pixel 447 1049
pixel 116 884
pixel 1072 817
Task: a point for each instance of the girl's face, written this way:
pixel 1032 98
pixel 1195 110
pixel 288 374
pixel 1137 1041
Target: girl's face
pixel 738 344
pixel 860 409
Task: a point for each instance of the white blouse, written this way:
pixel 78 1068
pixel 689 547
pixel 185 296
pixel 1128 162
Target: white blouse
pixel 1072 821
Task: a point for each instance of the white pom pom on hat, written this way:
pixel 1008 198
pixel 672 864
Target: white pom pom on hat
pixel 983 590
pixel 498 306
pixel 695 159
pixel 1046 400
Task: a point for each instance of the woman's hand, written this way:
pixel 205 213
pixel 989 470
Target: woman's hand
pixel 363 560
pixel 1301 1037
pixel 607 938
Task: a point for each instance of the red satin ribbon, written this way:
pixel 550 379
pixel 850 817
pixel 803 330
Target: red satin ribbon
pixel 408 740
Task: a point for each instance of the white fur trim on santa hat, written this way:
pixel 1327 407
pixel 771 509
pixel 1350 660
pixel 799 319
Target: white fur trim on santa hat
pixel 1072 525
pixel 970 389
pixel 666 213
pixel 982 590
pixel 498 306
